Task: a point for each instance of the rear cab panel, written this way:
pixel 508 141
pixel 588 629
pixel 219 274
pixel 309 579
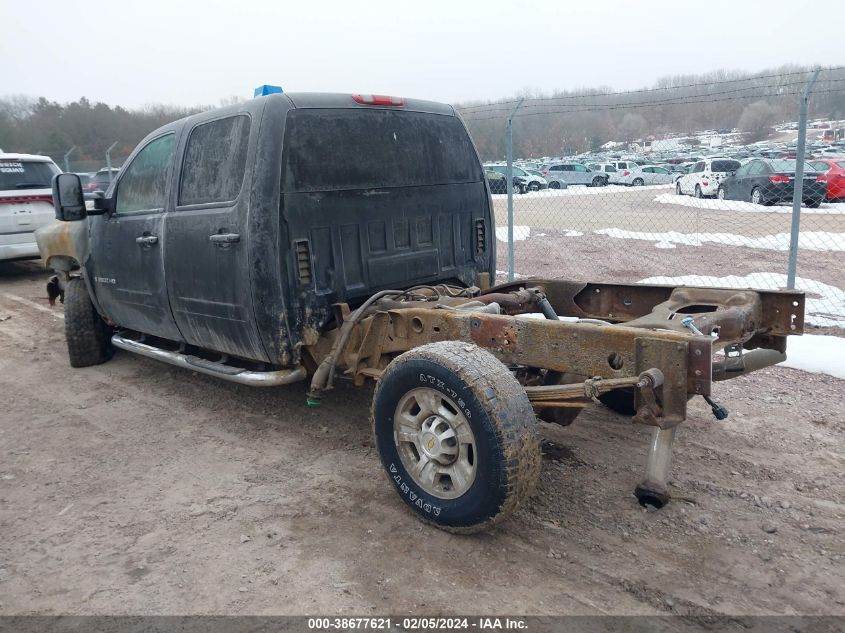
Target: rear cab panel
pixel 372 198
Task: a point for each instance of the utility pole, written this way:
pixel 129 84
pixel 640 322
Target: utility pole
pixel 108 158
pixel 509 148
pixel 798 191
pixel 67 155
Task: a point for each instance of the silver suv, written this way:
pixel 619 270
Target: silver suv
pixel 562 175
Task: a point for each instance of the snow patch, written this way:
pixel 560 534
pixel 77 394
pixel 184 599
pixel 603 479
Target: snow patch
pixel 825 309
pixel 808 241
pixel 519 233
pixel 817 354
pixel 714 204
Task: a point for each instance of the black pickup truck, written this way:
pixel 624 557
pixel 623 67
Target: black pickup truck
pixel 300 235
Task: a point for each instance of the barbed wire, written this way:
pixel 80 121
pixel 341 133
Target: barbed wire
pixel 505 104
pixel 648 104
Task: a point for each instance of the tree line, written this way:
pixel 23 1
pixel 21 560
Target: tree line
pixel 561 123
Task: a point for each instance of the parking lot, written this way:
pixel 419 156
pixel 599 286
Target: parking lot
pixel 135 487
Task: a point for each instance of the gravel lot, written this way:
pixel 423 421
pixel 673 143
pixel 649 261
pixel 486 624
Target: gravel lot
pixel 137 488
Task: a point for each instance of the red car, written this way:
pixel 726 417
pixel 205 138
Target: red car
pixel 833 176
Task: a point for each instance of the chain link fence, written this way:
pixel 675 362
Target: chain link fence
pixel 687 184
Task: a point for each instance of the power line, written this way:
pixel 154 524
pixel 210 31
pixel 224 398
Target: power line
pixel 598 108
pixel 505 104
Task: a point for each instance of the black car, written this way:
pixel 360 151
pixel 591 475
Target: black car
pixel 769 181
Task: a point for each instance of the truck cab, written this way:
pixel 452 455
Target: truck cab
pixel 236 230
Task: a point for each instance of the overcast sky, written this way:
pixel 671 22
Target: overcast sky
pixel 149 51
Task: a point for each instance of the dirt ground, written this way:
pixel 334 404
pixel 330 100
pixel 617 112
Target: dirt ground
pixel 137 488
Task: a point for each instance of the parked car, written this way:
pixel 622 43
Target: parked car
pixel 102 179
pixel 522 180
pixel 645 175
pixel 832 174
pixel 26 202
pixel 498 182
pixel 769 181
pixel 562 175
pixel 606 168
pixel 704 177
pixel 87 181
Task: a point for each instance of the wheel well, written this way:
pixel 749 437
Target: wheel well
pixel 62 263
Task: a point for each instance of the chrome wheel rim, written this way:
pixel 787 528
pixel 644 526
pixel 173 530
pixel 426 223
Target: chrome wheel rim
pixel 721 194
pixel 755 196
pixel 435 443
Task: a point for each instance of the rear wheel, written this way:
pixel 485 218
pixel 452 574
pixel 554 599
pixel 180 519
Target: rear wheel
pixel 698 193
pixel 88 337
pixel 534 186
pixel 554 184
pixel 678 189
pixel 456 435
pixel 757 196
pixel 813 204
pixel 721 193
pixel 638 182
pixel 598 181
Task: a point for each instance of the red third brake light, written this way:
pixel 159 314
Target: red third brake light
pixel 380 100
pixel 25 199
pixel 779 178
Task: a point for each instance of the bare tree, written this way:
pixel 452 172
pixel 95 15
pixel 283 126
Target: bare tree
pixel 757 120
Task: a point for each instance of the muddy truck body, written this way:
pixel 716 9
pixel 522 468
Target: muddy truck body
pixel 321 237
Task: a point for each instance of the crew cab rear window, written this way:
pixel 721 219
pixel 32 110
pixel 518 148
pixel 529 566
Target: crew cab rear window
pixel 215 161
pixel 22 174
pixel 334 149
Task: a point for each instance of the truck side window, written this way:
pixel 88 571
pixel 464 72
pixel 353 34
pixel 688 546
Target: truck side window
pixel 215 160
pixel 141 188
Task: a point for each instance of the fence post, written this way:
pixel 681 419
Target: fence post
pixel 108 158
pixel 509 149
pixel 67 155
pixel 798 190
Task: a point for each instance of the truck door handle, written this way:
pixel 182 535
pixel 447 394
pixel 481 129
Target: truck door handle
pixel 146 240
pixel 224 238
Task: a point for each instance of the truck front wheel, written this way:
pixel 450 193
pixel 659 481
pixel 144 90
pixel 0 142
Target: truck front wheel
pixel 456 435
pixel 88 337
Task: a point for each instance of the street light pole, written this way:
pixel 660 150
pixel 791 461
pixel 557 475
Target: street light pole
pixel 67 155
pixel 108 158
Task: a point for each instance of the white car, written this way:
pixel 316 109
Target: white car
pixel 703 179
pixel 532 182
pixel 608 168
pixel 26 202
pixel 646 175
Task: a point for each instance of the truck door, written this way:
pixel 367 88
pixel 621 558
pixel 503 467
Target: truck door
pixel 207 258
pixel 126 268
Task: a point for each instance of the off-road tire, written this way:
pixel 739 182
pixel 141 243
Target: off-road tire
pixel 88 337
pixel 507 443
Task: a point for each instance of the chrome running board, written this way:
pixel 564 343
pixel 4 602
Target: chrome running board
pixel 203 366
